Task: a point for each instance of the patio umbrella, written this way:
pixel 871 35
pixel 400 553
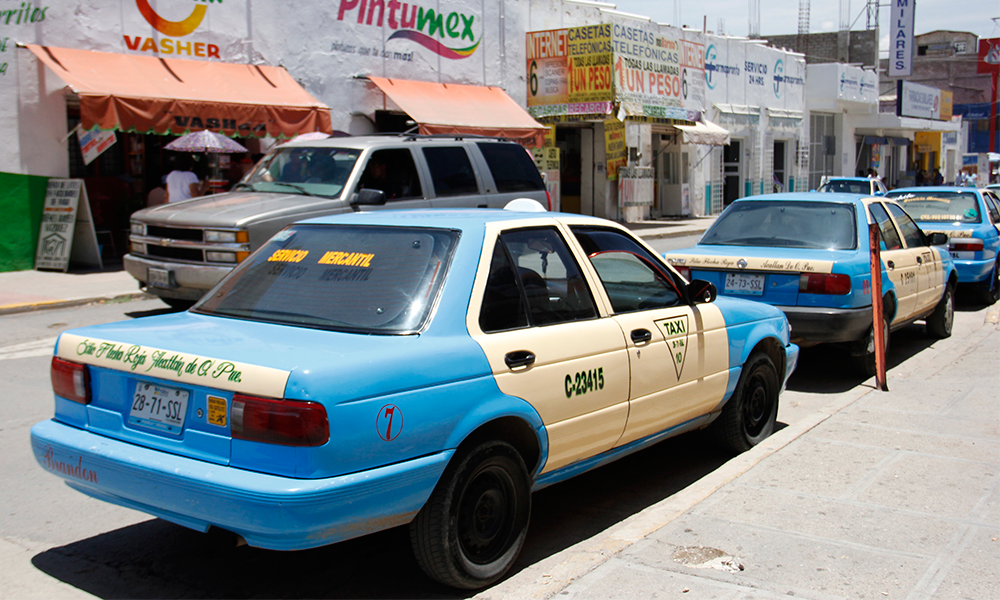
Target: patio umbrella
pixel 205 141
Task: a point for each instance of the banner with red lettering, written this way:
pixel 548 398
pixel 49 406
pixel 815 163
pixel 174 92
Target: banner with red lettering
pixel 655 75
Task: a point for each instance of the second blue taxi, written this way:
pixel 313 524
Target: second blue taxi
pixel 808 254
pixel 431 368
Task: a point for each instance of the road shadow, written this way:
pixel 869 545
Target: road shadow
pixel 156 559
pixel 827 369
pixel 161 310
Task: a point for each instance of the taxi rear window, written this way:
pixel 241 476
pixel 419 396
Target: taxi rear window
pixel 347 278
pixel 784 224
pixel 953 207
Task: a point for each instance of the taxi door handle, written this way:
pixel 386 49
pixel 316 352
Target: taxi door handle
pixel 891 264
pixel 519 359
pixel 641 336
pixel 920 260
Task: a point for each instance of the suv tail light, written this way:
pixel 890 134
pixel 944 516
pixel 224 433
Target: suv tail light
pixel 823 283
pixel 548 199
pixel 285 422
pixel 70 380
pixel 965 245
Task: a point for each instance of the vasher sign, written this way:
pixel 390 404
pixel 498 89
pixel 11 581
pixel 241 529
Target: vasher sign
pixel 901 38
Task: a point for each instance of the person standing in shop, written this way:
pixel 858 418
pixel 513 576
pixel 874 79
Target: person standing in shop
pixel 182 183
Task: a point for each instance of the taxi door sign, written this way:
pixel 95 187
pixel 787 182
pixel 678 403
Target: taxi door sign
pixel 675 332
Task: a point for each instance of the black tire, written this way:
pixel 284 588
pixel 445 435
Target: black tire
pixel 473 526
pixel 940 321
pixel 178 304
pixel 863 351
pixel 990 292
pixel 749 416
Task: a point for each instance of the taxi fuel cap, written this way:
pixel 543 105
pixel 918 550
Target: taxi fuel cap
pixel 525 205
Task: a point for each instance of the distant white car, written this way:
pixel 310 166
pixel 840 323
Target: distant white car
pixel 853 185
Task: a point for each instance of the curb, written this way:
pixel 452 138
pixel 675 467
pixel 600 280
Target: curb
pixel 550 576
pixel 554 574
pixel 672 234
pixel 53 304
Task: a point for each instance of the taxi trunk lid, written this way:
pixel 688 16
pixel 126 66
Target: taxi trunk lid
pixel 168 382
pixel 763 274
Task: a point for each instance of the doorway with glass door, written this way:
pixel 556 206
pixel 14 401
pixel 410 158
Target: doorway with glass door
pixel 732 171
pixel 672 185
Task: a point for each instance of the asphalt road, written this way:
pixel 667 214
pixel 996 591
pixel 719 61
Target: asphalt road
pixel 58 543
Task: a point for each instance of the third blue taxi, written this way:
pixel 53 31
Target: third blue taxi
pixel 969 217
pixel 808 254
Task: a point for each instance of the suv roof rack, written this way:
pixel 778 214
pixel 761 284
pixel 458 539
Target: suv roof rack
pixel 412 137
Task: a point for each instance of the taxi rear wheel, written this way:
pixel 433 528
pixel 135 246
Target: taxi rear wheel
pixel 749 416
pixel 939 323
pixel 863 352
pixel 473 526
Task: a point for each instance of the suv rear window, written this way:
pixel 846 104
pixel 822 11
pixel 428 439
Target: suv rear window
pixel 346 278
pixel 512 168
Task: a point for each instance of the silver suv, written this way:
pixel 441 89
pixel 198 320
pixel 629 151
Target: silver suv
pixel 181 250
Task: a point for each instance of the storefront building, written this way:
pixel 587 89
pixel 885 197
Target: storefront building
pixel 849 133
pixel 757 94
pixel 268 70
pixel 654 121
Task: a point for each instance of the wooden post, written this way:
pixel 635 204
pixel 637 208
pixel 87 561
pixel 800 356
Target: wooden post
pixel 877 312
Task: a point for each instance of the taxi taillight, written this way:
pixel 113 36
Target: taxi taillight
pixel 70 380
pixel 965 245
pixel 824 283
pixel 685 272
pixel 284 422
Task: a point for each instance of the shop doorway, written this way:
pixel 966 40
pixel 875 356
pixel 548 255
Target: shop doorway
pixel 732 172
pixel 570 143
pixel 780 179
pixel 672 185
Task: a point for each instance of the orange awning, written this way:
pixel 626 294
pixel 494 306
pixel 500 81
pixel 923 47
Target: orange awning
pixel 455 108
pixel 169 95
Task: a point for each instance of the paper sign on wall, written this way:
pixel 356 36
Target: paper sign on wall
pixel 94 143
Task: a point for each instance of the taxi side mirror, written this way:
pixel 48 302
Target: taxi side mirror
pixel 701 292
pixel 368 198
pixel 937 239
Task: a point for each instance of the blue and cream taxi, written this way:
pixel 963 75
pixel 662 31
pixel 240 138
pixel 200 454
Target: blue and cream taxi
pixel 970 218
pixel 808 254
pixel 427 367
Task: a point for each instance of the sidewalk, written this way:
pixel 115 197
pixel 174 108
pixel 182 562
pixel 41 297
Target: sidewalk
pixel 22 291
pixel 878 495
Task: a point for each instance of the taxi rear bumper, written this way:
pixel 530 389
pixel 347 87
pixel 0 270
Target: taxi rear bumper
pixel 972 271
pixel 268 511
pixel 817 325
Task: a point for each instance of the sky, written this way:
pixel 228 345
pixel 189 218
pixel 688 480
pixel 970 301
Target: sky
pixel 781 17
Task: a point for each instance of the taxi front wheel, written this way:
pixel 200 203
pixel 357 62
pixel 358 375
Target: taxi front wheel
pixel 473 526
pixel 749 416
